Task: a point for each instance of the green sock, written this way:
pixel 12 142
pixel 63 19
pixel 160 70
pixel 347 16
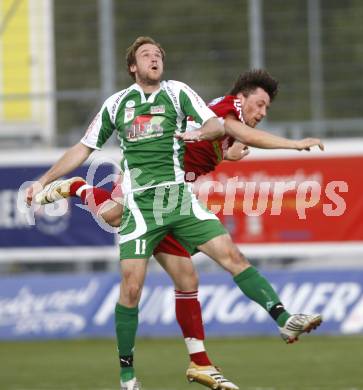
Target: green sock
pixel 126 322
pixel 257 288
pixel 127 373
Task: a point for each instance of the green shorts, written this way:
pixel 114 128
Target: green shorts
pixel 151 214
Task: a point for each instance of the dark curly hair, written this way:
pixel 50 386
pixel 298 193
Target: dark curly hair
pixel 249 81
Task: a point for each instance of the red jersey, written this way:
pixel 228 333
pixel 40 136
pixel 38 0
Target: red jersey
pixel 202 157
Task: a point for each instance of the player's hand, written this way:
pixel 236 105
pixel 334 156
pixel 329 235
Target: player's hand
pixel 31 191
pixel 189 136
pixel 307 143
pixel 236 152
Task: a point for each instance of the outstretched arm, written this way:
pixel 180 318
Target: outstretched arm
pixel 212 129
pixel 265 140
pixel 71 159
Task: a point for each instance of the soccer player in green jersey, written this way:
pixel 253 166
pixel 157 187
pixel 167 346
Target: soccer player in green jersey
pixel 150 118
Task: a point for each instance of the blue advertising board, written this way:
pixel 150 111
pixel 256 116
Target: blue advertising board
pixel 69 306
pixel 64 224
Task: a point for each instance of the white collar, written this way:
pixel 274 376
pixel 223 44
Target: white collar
pixel 152 96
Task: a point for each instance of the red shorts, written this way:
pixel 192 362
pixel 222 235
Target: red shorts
pixel 171 246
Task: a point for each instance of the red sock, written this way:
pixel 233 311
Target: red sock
pixel 74 187
pixel 189 316
pixel 93 197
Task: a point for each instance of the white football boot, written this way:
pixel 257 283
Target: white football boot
pixel 298 324
pixel 56 190
pixel 209 376
pixel 132 384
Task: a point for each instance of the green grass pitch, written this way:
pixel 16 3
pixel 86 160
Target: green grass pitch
pixel 264 363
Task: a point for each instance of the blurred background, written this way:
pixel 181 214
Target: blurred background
pixel 59 60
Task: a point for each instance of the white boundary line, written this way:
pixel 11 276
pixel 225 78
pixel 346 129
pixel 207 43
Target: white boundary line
pixel 59 254
pixel 107 253
pixel 305 250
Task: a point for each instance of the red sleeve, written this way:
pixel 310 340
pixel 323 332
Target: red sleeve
pixel 227 105
pixel 203 156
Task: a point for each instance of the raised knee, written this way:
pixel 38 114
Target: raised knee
pixel 237 262
pixel 115 222
pixel 238 257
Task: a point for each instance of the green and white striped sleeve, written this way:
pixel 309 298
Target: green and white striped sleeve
pixel 100 129
pixel 193 105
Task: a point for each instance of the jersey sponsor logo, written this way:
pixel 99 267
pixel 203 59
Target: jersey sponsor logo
pixel 157 109
pixel 129 114
pixel 143 127
pixel 224 105
pixel 130 104
pixel 238 107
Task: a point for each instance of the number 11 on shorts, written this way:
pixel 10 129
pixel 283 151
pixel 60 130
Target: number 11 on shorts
pixel 140 247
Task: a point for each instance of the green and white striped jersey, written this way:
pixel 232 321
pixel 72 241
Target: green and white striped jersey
pixel 151 155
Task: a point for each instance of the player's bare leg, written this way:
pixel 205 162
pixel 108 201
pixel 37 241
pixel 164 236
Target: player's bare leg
pixel 257 288
pixel 189 316
pixel 111 213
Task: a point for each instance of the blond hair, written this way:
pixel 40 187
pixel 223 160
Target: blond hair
pixel 131 52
